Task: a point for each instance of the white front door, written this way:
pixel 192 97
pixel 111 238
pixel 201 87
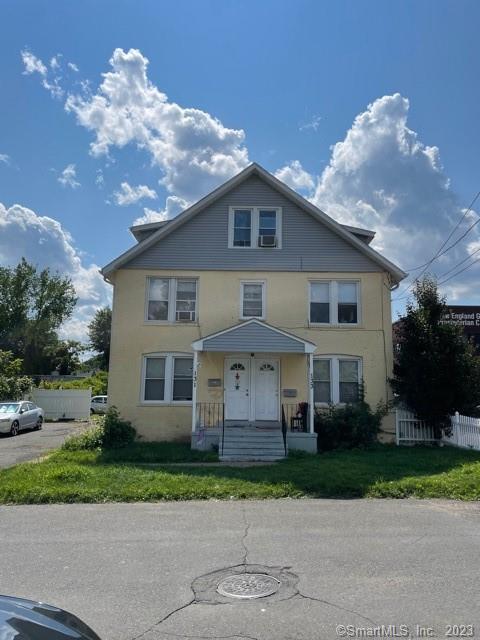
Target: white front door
pixel 251 389
pixel 237 389
pixel 266 389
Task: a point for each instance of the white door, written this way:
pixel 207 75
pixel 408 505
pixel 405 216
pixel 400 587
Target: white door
pixel 237 389
pixel 266 389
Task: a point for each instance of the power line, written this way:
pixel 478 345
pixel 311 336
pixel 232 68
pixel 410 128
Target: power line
pixel 459 263
pixel 440 252
pixel 454 275
pixel 466 212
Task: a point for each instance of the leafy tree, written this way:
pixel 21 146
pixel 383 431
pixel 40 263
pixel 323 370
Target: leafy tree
pixel 99 331
pixel 436 371
pixel 13 386
pixel 64 356
pixel 33 305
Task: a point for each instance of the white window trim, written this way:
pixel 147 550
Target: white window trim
pixel 172 299
pixel 263 283
pixel 333 302
pixel 335 376
pixel 169 372
pixel 254 227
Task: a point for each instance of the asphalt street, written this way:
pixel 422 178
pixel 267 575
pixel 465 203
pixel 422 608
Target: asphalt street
pixel 32 444
pixel 128 569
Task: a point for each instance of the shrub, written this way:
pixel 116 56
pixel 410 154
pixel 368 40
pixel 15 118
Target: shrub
pixel 91 438
pixel 97 383
pixel 13 386
pixel 117 432
pixel 348 427
pixel 110 432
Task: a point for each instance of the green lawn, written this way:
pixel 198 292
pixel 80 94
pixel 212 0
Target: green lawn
pixel 124 475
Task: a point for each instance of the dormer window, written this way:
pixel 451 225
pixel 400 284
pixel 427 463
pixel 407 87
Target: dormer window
pixel 255 228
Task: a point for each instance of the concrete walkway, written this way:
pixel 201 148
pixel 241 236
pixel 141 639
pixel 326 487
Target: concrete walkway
pixel 127 569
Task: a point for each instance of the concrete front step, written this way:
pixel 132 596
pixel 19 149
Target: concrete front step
pixel 249 443
pixel 250 458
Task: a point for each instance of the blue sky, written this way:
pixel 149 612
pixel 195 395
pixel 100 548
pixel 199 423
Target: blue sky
pixel 273 82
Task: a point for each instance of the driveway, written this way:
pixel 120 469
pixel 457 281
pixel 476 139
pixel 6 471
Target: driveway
pixel 32 444
pixel 129 569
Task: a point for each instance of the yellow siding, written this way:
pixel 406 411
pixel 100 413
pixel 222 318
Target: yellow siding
pixel 218 308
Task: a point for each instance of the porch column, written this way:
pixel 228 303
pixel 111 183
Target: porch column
pixel 194 391
pixel 310 393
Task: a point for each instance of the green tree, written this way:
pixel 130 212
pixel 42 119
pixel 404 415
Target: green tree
pixel 64 356
pixel 12 384
pixel 33 305
pixel 99 331
pixel 437 371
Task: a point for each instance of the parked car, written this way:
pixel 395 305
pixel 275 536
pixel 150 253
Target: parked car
pixel 15 416
pixel 99 404
pixel 26 619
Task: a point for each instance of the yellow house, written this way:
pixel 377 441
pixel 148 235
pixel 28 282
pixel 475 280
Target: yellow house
pixel 234 319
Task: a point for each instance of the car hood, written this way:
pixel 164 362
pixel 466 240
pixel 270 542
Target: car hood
pixel 22 619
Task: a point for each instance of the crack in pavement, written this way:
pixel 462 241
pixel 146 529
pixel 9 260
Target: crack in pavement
pixel 236 635
pixel 244 538
pixel 195 601
pixel 159 622
pixel 336 606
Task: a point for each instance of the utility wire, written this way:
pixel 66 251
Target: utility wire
pixel 441 251
pixel 454 275
pixel 466 212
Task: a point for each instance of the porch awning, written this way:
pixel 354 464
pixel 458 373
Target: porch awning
pixel 254 335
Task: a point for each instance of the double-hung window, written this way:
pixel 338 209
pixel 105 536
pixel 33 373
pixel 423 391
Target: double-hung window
pixel 255 227
pixel 252 300
pixel 336 379
pixel 242 228
pixel 171 300
pixel 334 302
pixel 167 378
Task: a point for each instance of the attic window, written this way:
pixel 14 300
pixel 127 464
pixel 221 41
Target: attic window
pixel 255 228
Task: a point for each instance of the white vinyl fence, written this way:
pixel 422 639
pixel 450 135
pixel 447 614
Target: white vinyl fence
pixel 63 404
pixel 465 430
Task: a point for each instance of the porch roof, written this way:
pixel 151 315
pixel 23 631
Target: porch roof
pixel 254 335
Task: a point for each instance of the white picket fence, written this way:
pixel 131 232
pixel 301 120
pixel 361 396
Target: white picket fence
pixel 410 430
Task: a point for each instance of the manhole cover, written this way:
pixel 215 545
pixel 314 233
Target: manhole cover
pixel 248 585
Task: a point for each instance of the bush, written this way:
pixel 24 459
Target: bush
pixel 97 383
pixel 91 438
pixel 348 427
pixel 110 432
pixel 13 386
pixel 117 432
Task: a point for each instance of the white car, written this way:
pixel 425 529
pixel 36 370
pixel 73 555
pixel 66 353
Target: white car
pixel 15 416
pixel 99 404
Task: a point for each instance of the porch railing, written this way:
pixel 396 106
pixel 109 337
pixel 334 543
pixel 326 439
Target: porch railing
pixel 210 415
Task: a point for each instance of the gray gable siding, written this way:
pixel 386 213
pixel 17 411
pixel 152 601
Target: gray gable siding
pixel 253 337
pixel 202 242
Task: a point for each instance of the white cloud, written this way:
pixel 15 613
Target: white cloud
pixel 129 195
pixel 44 242
pixel 313 124
pixel 296 177
pixel 194 150
pixel 173 206
pixel 381 176
pixel 68 177
pixel 99 179
pixel 55 62
pixel 72 66
pixel 33 65
pixel 5 158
